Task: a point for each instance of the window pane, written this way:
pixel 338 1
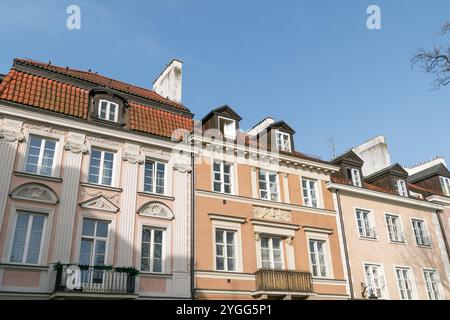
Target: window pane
pixel 160 174
pixel 88 227
pixel 148 178
pixel 34 244
pixel 102 229
pixel 19 238
pixel 85 252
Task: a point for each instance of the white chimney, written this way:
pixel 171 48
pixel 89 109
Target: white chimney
pixel 168 84
pixel 260 126
pixel 375 155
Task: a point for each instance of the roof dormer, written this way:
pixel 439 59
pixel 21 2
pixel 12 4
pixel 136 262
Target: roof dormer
pixel 351 166
pixel 107 107
pixel 277 136
pixel 393 177
pixel 224 119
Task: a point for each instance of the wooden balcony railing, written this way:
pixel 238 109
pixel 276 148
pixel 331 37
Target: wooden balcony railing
pixel 283 281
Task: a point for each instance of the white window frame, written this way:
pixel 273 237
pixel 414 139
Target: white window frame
pixel 356 177
pixel 325 258
pixel 151 252
pixel 373 235
pixel 108 110
pixel 222 176
pixel 271 252
pixel 156 162
pixel 41 154
pixel 225 249
pixel 426 234
pixel 411 280
pixel 308 189
pixel 384 288
pixel 279 136
pixel 219 119
pixel 94 239
pixel 438 284
pixel 231 224
pixel 46 232
pixel 445 184
pixel 400 230
pixel 266 175
pixel 100 173
pixel 401 187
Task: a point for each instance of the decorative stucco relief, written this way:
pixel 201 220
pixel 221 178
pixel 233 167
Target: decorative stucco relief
pixel 272 213
pixel 75 147
pixel 35 192
pixel 99 203
pixel 156 209
pixel 157 153
pixel 11 136
pixel 111 197
pixel 104 141
pixel 43 129
pixel 132 158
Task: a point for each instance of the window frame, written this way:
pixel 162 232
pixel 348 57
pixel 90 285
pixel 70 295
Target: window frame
pixel 222 164
pixel 411 280
pixel 445 185
pixel 283 147
pixel 108 110
pixel 44 139
pixel 316 190
pixel 325 257
pixel 401 187
pixel 94 239
pixel 270 237
pixel 400 227
pixel 225 249
pixel 384 288
pixel 266 175
pixel 156 162
pixel 353 177
pixel 372 224
pixel 426 235
pixel 151 251
pixel 438 283
pixel 101 167
pixel 221 118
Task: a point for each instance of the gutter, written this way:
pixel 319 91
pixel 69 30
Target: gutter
pixel 193 296
pixel 344 241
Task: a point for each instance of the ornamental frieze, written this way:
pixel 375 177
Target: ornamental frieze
pixel 272 213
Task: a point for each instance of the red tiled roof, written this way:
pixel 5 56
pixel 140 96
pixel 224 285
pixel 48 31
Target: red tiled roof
pixel 35 91
pixel 103 81
pixel 150 120
pixel 58 96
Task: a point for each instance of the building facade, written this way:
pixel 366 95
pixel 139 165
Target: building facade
pixel 265 223
pixel 394 245
pixel 90 184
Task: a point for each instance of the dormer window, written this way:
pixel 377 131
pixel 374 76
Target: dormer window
pixel 227 127
pixel 445 183
pixel 355 176
pixel 283 141
pixel 400 186
pixel 108 110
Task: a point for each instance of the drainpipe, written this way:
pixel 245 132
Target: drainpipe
pixel 444 234
pixel 192 226
pixel 344 240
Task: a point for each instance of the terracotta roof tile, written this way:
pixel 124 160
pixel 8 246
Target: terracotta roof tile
pixel 101 80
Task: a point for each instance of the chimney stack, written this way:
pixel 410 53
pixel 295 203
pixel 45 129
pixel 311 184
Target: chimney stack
pixel 375 155
pixel 168 83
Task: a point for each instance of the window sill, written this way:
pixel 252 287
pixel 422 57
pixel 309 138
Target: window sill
pixel 36 176
pixel 368 238
pixel 155 274
pixel 13 265
pixel 402 243
pixel 100 186
pixel 424 246
pixel 155 195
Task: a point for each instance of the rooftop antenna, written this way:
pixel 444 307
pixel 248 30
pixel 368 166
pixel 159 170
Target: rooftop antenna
pixel 332 147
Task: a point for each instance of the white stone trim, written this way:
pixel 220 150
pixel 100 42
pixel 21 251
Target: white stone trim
pixel 311 235
pixel 232 226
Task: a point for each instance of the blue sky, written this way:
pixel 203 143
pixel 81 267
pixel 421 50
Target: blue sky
pixel 312 63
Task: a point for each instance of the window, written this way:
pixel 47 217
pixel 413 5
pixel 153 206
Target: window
pixel 101 168
pixel 445 183
pixel 40 155
pixel 152 250
pixel 375 280
pixel 355 176
pixel 283 141
pixel 432 282
pixel 268 186
pixel 28 238
pixel 366 228
pixel 317 253
pixel 400 186
pixel 227 127
pixel 394 228
pixel 420 233
pixel 154 177
pixel 108 110
pixel 225 250
pixel 272 253
pixel 94 240
pixel 404 283
pixel 309 193
pixel 222 177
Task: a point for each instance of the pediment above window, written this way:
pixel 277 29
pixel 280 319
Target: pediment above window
pixel 156 210
pixel 35 192
pixel 99 203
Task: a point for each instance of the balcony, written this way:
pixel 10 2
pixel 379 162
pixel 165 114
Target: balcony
pixel 80 281
pixel 271 283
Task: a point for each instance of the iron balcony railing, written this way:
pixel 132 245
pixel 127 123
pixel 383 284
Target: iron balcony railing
pixel 283 281
pixel 95 279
